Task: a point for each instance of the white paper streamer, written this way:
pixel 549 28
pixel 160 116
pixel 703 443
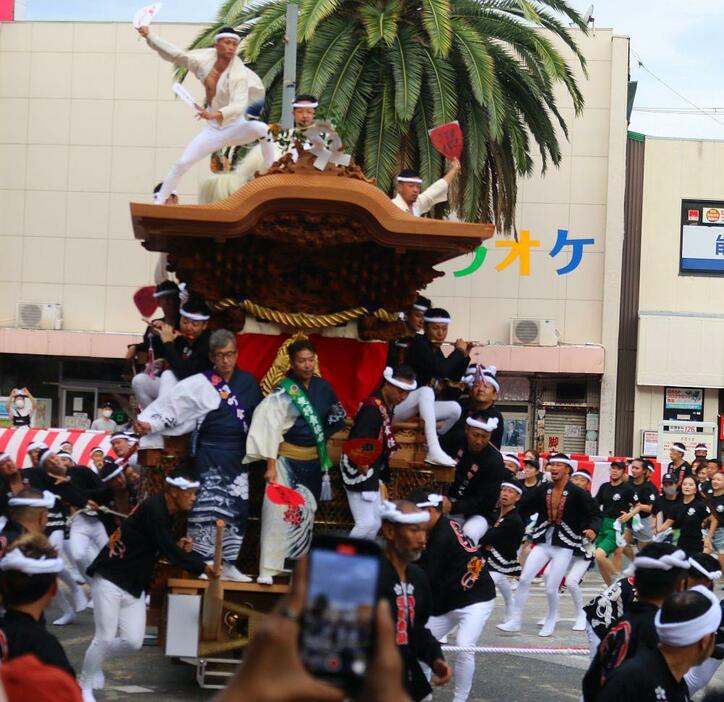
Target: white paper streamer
pixel 145 15
pixel 186 96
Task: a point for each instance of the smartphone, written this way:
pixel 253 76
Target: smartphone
pixel 337 628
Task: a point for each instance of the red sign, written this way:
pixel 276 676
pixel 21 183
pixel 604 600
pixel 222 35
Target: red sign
pixel 6 10
pixel 448 140
pixel 721 427
pixel 693 215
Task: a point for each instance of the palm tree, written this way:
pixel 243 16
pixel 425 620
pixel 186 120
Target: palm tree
pixel 387 71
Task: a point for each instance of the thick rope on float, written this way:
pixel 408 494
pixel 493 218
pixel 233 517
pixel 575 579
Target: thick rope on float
pixel 538 651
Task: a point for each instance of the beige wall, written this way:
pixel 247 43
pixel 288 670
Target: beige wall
pixel 87 123
pixel 583 195
pixel 681 329
pixel 649 410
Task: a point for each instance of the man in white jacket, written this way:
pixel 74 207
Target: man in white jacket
pixel 230 86
pixel 409 198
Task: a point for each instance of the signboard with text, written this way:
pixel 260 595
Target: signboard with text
pixel 702 237
pixel 686 404
pixel 688 433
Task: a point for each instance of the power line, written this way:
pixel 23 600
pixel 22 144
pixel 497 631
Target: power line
pixel 673 90
pixel 681 110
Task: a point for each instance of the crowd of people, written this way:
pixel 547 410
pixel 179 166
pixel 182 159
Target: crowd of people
pixel 74 534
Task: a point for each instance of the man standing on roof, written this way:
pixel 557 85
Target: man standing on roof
pixel 409 198
pixel 230 87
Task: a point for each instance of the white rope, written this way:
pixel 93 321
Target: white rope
pixel 548 651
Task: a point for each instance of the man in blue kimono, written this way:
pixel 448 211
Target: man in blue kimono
pixel 221 402
pixel 290 431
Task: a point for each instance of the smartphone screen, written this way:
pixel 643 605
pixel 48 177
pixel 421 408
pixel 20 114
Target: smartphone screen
pixel 337 627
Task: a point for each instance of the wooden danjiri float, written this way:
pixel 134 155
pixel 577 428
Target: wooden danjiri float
pixel 298 250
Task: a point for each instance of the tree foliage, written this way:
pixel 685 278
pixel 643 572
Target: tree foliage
pixel 387 71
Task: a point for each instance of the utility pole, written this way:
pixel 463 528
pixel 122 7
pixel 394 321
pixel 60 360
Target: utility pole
pixel 289 87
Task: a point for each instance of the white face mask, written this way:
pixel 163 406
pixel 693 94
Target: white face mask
pixel 107 413
pixel 19 403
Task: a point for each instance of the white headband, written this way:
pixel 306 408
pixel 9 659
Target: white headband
pixel 196 317
pixel 97 448
pixel 45 456
pixel 112 475
pixel 182 483
pixel 511 458
pixel 4 457
pixel 680 634
pixel 512 486
pixel 226 35
pixel 422 308
pixel 581 474
pixel 679 447
pixel 409 179
pixel 305 103
pixel 163 293
pixel 713 575
pixel 46 501
pixel 490 425
pixel 388 375
pixel 17 560
pixel 37 446
pixel 128 437
pixel 677 559
pixel 64 454
pixel 433 500
pixel 390 512
pixel 436 320
pixel 567 461
pixel 471 378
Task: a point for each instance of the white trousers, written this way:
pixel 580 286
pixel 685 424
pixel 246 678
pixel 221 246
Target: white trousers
pixel 120 620
pixel 470 622
pixel 365 508
pixel 505 589
pixel 422 401
pixel 579 567
pixel 60 600
pixel 145 388
pixel 560 559
pixel 87 537
pixel 212 138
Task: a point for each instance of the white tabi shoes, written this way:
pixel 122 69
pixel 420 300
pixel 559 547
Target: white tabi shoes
pixel 231 572
pixel 437 457
pixel 265 580
pixel 511 626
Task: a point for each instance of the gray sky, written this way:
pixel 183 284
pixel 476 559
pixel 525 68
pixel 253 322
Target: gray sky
pixel 675 41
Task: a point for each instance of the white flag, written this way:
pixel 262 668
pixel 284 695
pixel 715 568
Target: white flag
pixel 185 95
pixel 145 15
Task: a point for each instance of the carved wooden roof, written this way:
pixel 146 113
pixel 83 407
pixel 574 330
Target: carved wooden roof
pixel 301 240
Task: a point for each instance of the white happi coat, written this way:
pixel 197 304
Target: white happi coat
pixel 237 87
pixel 429 197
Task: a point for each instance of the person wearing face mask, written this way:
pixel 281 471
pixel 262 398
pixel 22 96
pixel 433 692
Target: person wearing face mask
pixel 665 507
pixel 21 407
pixel 689 518
pixel 104 422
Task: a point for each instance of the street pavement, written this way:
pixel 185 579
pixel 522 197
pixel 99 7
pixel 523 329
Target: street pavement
pixel 148 675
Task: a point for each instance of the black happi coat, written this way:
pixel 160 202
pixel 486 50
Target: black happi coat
pixel 645 678
pixel 429 362
pixel 501 543
pixel 411 605
pixel 455 567
pixel 580 512
pixel 187 358
pixel 457 431
pixel 478 476
pixel 67 493
pixel 368 423
pixel 21 634
pixel 633 632
pixel 128 559
pixel 614 500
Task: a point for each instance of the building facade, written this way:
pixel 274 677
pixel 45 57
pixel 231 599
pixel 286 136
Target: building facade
pixel 89 123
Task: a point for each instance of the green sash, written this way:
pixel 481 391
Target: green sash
pixel 310 416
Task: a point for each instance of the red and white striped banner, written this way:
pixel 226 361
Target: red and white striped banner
pixel 16 441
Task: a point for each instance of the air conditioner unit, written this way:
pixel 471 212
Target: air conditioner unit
pixel 39 315
pixel 533 332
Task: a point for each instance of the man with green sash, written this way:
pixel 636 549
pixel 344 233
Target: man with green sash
pixel 289 430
